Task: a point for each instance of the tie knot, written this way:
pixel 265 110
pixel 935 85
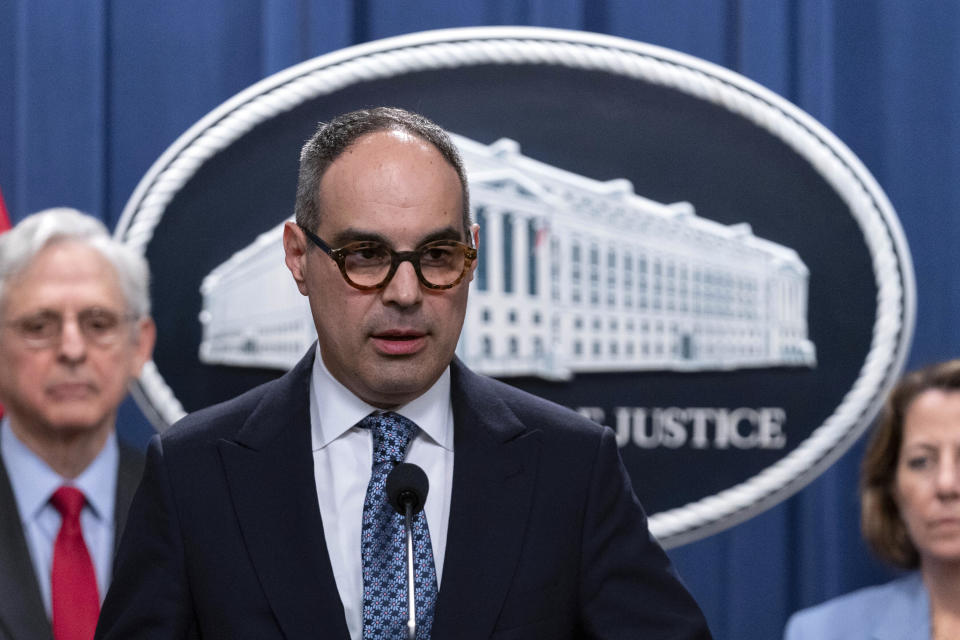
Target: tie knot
pixel 392 434
pixel 68 501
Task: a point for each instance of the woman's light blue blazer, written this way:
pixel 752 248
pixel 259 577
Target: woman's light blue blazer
pixel 898 610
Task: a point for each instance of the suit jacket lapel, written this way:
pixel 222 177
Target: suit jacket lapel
pixel 269 469
pixel 22 614
pixel 129 471
pixel 495 460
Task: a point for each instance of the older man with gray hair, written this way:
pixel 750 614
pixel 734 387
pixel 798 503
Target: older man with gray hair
pixel 75 329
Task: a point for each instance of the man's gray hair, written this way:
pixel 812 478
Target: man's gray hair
pixel 20 245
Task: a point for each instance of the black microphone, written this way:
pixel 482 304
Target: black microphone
pixel 407 489
pixel 407 484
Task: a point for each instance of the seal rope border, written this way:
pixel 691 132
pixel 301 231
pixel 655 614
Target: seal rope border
pixel 452 48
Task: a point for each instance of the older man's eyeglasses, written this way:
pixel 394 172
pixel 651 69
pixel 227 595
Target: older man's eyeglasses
pixel 366 264
pixel 98 326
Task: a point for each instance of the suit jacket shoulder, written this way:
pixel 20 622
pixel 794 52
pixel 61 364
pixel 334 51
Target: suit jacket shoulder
pixel 250 417
pixel 491 398
pixel 897 609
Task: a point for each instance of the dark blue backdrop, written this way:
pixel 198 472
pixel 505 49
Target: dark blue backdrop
pixel 92 92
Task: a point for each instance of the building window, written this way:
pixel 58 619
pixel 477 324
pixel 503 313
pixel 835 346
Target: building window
pixel 628 280
pixel 594 274
pixel 507 254
pixel 642 282
pixel 575 274
pixel 482 257
pixel 555 268
pixel 487 346
pixel 533 245
pixel 611 277
pixel 514 346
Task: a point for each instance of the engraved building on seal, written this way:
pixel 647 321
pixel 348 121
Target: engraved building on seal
pixel 573 275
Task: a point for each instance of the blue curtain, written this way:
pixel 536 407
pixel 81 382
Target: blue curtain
pixel 91 93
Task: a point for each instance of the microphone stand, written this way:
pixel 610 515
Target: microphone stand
pixel 407 488
pixel 411 588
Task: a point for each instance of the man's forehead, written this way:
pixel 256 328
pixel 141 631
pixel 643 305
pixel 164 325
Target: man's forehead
pixel 373 153
pixel 393 170
pixel 64 271
pixel 356 233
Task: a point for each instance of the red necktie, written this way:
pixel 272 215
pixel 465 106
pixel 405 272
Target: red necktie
pixel 73 583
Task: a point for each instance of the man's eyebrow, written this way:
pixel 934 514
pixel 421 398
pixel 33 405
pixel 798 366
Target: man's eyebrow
pixel 43 312
pixel 349 235
pixel 447 233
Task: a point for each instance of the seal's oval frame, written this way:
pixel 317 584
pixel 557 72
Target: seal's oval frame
pixel 451 48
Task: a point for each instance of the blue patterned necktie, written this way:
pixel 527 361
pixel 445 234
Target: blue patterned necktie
pixel 382 542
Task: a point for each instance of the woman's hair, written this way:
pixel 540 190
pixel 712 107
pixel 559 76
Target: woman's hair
pixel 880 521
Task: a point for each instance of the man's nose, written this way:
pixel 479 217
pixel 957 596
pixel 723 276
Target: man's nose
pixel 73 344
pixel 404 288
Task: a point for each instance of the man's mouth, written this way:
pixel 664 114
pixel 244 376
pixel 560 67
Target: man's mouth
pixel 399 342
pixel 70 390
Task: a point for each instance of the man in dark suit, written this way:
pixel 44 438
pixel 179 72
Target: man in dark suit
pixel 74 308
pixel 265 516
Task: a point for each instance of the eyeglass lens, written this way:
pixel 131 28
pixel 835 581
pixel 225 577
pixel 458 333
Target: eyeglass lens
pixel 368 263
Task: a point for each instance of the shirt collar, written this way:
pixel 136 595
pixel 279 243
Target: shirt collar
pixel 341 410
pixel 33 481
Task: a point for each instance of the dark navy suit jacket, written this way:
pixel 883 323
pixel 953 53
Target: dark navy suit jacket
pixel 546 538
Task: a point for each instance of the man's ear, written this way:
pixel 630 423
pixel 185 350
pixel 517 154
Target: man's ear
pixel 295 252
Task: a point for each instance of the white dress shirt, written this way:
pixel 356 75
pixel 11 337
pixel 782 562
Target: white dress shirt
pixel 342 463
pixel 34 482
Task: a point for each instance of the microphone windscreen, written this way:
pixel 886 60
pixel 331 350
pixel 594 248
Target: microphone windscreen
pixel 407 484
